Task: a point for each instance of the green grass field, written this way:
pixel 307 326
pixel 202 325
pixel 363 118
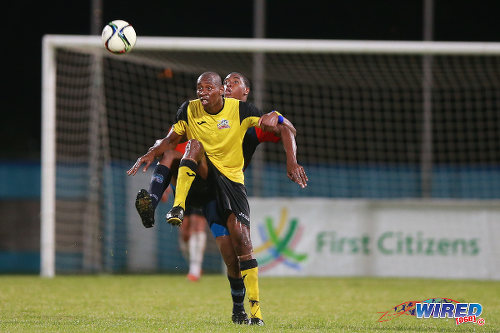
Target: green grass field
pixel 156 303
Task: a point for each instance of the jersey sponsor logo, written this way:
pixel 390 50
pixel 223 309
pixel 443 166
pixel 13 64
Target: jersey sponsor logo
pixel 223 124
pixel 201 122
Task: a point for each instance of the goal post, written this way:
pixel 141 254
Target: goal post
pixel 357 105
pixel 48 150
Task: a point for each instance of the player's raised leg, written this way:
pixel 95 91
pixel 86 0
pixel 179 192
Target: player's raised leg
pixel 147 201
pixel 188 169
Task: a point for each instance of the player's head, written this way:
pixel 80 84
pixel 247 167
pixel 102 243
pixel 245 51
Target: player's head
pixel 209 89
pixel 236 85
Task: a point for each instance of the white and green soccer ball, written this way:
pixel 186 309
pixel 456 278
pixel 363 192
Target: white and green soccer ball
pixel 118 37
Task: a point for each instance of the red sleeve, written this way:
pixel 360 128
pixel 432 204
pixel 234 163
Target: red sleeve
pixel 266 136
pixel 181 147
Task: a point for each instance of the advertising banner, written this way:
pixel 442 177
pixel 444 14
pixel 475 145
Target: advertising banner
pixel 397 238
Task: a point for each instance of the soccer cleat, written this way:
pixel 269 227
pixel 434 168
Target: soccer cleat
pixel 144 206
pixel 256 321
pixel 240 318
pixel 175 216
pixel 192 277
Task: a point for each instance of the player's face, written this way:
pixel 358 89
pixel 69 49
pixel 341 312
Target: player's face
pixel 235 87
pixel 208 92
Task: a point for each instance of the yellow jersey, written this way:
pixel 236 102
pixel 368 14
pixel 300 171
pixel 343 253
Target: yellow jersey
pixel 221 134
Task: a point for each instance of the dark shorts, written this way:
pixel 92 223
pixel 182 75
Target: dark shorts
pixel 194 210
pixel 210 212
pixel 198 196
pixel 230 197
pixel 201 192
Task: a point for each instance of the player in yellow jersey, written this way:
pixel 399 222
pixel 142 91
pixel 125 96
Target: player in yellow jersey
pixel 215 127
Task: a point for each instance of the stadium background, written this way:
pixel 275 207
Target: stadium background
pixel 20 150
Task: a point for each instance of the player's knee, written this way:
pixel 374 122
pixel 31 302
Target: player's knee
pixel 194 148
pixel 199 223
pixel 231 261
pixel 243 248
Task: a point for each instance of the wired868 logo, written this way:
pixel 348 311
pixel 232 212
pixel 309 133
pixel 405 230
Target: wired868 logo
pixel 461 312
pixel 278 244
pixel 437 308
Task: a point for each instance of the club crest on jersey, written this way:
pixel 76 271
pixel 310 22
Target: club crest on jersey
pixel 223 124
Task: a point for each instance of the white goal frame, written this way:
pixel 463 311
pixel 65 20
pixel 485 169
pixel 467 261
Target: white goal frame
pixel 52 42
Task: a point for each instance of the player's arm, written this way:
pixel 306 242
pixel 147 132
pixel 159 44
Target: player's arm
pixel 167 143
pixel 174 136
pixel 270 122
pixel 294 170
pixel 251 116
pixel 289 124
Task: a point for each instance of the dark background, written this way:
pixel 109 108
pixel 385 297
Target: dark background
pixel 28 21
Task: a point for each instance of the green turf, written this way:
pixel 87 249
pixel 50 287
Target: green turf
pixel 165 303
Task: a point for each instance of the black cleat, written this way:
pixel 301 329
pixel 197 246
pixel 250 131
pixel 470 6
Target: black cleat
pixel 175 216
pixel 144 206
pixel 256 321
pixel 240 318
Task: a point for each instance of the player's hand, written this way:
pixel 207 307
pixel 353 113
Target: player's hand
pixel 147 159
pixel 268 121
pixel 297 174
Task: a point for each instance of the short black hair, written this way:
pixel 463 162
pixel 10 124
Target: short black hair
pixel 212 75
pixel 245 80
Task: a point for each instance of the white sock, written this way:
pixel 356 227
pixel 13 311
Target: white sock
pixel 196 251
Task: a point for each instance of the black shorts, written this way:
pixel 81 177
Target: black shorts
pixel 201 192
pixel 230 197
pixel 193 210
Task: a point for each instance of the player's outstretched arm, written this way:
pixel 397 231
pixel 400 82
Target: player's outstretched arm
pixel 269 122
pixel 289 124
pixel 167 143
pixel 294 170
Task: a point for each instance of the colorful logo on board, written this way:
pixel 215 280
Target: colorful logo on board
pixel 278 244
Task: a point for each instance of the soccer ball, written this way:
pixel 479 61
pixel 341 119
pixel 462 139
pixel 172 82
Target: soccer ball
pixel 118 37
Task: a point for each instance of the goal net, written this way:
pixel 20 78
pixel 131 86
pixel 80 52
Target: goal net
pixel 374 120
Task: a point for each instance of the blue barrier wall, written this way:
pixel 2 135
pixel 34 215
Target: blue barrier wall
pixel 21 181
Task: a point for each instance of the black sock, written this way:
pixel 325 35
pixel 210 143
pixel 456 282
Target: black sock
pixel 237 293
pixel 159 183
